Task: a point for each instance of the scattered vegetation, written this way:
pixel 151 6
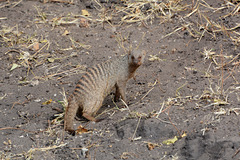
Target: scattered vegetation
pixel 208 22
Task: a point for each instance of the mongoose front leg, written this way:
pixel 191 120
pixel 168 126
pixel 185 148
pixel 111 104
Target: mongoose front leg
pixel 117 93
pixel 120 91
pixel 69 115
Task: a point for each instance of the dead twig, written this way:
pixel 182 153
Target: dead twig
pixel 132 139
pixel 236 153
pixel 19 103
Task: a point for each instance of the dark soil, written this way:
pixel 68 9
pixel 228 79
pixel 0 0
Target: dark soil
pixel 187 87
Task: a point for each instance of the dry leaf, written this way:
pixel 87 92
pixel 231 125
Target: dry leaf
pixel 83 22
pixel 154 58
pixel 184 135
pixel 66 32
pixel 81 130
pixel 150 146
pixel 170 141
pixel 85 13
pixel 47 102
pixel 44 41
pixel 35 83
pixel 36 46
pixel 14 66
pixel 50 60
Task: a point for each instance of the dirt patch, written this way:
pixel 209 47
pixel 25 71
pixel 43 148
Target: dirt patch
pixel 186 92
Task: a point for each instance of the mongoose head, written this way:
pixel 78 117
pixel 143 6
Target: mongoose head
pixel 136 57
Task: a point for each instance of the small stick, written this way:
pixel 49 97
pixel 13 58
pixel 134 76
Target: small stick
pixel 18 102
pixel 236 153
pixel 132 139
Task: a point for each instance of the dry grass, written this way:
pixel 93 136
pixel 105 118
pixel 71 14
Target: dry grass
pixel 143 13
pixel 146 11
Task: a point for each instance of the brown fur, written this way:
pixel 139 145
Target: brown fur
pixel 97 83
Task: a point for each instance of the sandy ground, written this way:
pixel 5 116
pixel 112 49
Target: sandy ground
pixel 184 103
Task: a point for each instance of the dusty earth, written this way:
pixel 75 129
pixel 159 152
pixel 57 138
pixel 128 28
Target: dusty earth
pixel 184 103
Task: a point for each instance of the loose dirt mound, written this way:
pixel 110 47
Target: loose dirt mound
pixel 184 103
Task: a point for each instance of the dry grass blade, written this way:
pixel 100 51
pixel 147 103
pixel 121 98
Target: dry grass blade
pixel 125 105
pixel 176 30
pixel 30 152
pixel 160 111
pixel 46 148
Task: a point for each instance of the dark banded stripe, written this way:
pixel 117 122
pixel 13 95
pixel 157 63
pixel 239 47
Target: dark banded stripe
pixel 97 73
pixel 100 71
pixel 81 89
pixel 75 93
pixel 79 85
pixel 107 69
pixel 78 90
pixel 93 76
pixel 101 66
pixel 88 80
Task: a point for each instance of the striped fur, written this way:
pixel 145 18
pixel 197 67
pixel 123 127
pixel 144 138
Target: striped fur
pixel 97 83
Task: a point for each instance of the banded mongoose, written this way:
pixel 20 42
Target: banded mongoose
pixel 97 83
